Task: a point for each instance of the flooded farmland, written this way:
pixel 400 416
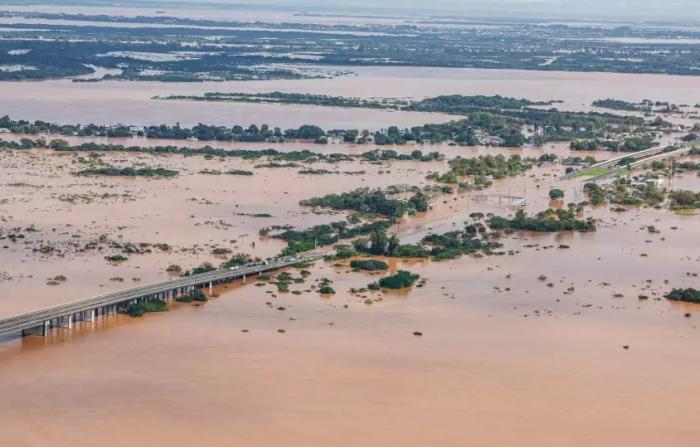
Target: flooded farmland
pixel 494 336
pixel 131 103
pixel 543 338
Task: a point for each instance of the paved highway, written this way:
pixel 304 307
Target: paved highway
pixel 41 318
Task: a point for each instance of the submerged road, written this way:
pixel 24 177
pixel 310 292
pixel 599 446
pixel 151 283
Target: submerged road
pixel 40 321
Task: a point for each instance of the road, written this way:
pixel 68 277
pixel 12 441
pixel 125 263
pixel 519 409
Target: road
pixel 164 289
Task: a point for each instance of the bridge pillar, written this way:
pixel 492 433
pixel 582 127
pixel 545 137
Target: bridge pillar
pixel 66 321
pixel 89 315
pixel 210 288
pixel 243 279
pixel 40 330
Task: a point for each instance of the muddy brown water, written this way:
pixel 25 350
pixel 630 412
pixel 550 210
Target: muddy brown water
pixel 504 358
pixel 130 102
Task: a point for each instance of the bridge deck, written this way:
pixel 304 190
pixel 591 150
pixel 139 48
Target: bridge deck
pixel 615 160
pixel 644 161
pixel 36 318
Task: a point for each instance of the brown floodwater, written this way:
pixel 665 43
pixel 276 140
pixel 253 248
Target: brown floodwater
pixel 132 103
pixel 504 358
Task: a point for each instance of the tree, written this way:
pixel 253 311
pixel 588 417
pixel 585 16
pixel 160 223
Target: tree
pixel 378 242
pixel 556 194
pixel 393 245
pixel 419 202
pixel 59 145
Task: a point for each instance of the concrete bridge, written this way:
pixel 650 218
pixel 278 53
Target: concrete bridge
pixel 678 153
pixel 614 161
pixel 39 322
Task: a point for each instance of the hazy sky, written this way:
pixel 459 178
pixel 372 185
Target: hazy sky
pixel 648 9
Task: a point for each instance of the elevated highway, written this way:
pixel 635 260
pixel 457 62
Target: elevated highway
pixel 64 315
pixel 616 160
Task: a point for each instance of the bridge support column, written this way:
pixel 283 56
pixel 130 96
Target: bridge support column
pixel 89 315
pixel 210 288
pixel 66 321
pixel 40 330
pixel 243 279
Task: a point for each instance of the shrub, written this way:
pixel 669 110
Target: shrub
pixel 370 265
pixel 401 280
pixel 689 295
pixel 556 194
pixel 138 309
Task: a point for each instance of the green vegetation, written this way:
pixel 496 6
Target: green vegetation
pixel 646 105
pixel 491 121
pixel 624 192
pixel 388 155
pixel 326 290
pixel 239 172
pixel 483 168
pixel 683 200
pixel 454 244
pixel 129 172
pixel 556 194
pixel 401 280
pixel 343 251
pixel 278 158
pixel 371 202
pixel 369 265
pixel 144 48
pixel 140 308
pixel 116 258
pixel 689 295
pixel 584 145
pixel 595 172
pixel 299 241
pixel 485 120
pixel 203 268
pixel 595 193
pixel 633 143
pixel 616 104
pixel 440 247
pixel 546 221
pixel 194 295
pixel 237 260
pixel 456 104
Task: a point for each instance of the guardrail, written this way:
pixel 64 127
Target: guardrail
pixel 615 160
pixel 645 161
pixel 39 318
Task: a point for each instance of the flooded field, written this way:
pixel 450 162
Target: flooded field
pixel 132 103
pixel 498 347
pixel 560 339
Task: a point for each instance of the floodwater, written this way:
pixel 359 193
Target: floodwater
pixel 131 102
pixel 503 357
